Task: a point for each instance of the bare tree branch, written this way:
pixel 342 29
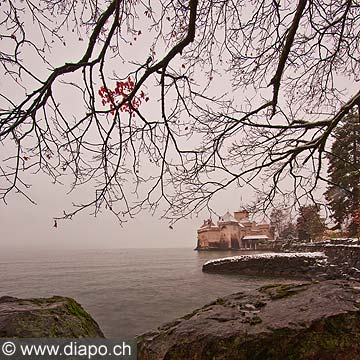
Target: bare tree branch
pixel 169 102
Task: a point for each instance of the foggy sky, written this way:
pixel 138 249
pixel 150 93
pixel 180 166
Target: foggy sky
pixel 25 225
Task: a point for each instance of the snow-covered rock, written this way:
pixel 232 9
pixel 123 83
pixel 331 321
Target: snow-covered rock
pixel 287 265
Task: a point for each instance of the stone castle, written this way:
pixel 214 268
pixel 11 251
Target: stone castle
pixel 232 232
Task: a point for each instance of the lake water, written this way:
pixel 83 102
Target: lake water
pixel 127 291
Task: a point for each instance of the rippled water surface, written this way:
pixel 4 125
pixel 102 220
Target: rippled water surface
pixel 127 291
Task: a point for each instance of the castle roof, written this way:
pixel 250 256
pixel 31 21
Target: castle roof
pixel 228 218
pixel 208 224
pixel 256 237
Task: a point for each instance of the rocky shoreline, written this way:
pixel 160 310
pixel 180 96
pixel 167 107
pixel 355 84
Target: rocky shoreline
pixel 312 321
pixel 331 259
pixel 319 319
pixel 300 320
pixel 317 316
pixel 300 265
pixel 55 317
pixel 343 256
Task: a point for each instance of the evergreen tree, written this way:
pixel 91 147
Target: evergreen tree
pixel 310 225
pixel 344 171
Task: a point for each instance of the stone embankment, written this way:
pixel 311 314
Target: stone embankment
pixel 343 256
pixel 287 265
pixel 308 321
pixel 332 259
pixel 59 317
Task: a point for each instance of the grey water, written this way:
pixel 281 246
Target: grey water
pixel 127 291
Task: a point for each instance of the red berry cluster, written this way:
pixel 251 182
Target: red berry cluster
pixel 121 91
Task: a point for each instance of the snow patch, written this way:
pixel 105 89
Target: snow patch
pixel 309 255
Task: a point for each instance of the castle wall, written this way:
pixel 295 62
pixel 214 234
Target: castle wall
pixel 208 237
pixel 230 232
pixel 241 215
pixel 248 227
pixel 242 233
pixel 265 229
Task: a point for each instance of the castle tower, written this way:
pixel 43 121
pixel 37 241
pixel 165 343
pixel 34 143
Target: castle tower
pixel 242 215
pixel 232 232
pixel 229 231
pixel 208 235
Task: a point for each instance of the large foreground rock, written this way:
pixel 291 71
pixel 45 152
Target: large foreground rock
pixel 319 321
pixel 59 317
